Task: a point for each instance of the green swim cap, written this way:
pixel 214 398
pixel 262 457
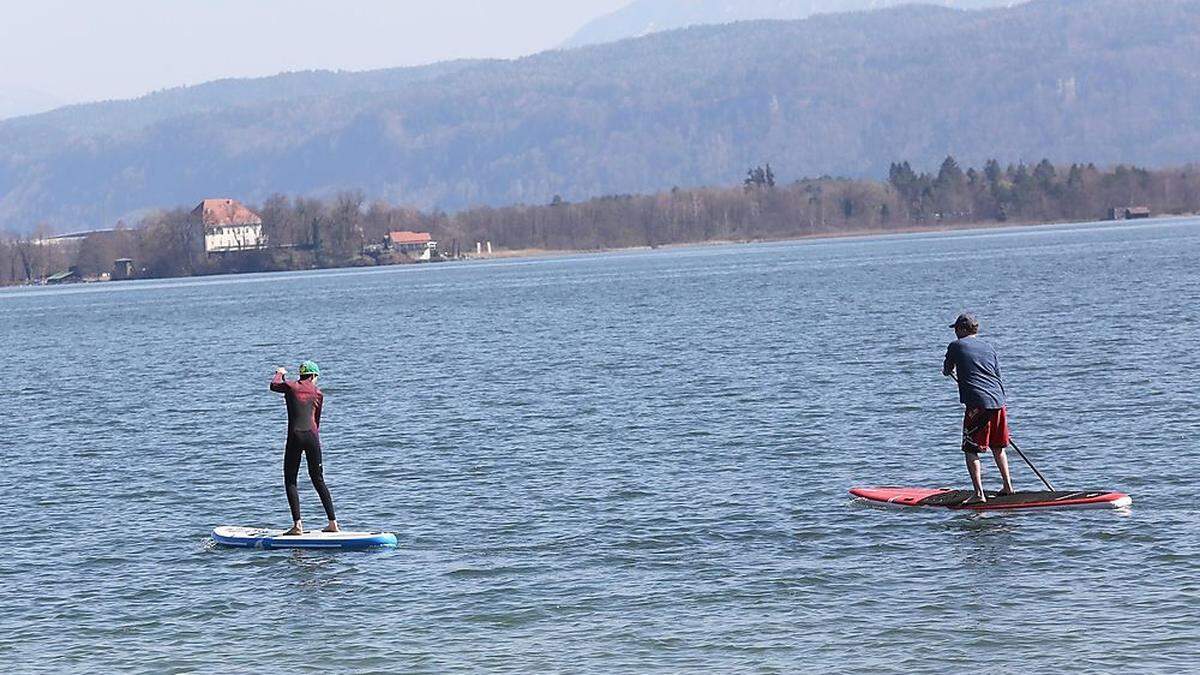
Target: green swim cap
pixel 309 368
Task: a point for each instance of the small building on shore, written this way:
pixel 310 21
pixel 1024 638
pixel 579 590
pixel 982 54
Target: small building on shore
pixel 70 276
pixel 418 244
pixel 229 226
pixel 1129 213
pixel 122 269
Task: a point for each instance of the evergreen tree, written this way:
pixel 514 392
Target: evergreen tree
pixel 948 192
pixel 1025 188
pixel 950 175
pixel 759 178
pixel 1045 174
pixel 903 178
pixel 992 171
pixel 755 178
pixel 1076 199
pixel 1075 177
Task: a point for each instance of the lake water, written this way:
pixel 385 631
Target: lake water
pixel 613 463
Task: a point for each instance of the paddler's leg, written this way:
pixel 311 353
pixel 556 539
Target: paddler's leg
pixel 291 467
pixel 999 440
pixel 971 448
pixel 1002 464
pixel 316 473
pixel 976 472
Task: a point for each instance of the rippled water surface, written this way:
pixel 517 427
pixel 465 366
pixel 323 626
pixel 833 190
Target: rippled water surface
pixel 612 463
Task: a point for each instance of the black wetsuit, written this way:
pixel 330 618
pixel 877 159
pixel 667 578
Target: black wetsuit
pixel 304 402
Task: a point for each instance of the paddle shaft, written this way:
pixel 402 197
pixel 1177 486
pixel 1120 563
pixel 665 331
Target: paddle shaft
pixel 1018 449
pixel 1035 469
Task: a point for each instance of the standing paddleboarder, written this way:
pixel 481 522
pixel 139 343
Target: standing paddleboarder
pixel 985 423
pixel 304 402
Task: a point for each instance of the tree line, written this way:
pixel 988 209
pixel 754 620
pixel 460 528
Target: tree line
pixel 307 233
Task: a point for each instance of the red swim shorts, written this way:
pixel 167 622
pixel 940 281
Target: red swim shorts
pixel 985 429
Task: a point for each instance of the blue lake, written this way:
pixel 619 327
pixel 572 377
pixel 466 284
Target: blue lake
pixel 631 462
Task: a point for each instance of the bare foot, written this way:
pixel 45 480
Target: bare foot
pixel 332 527
pixel 1005 492
pixel 296 531
pixel 975 499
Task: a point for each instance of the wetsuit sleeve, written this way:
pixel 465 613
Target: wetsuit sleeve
pixel 948 363
pixel 279 384
pixel 317 406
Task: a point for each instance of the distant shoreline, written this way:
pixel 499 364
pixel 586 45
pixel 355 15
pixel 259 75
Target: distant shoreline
pixel 537 253
pixel 506 254
pixel 297 233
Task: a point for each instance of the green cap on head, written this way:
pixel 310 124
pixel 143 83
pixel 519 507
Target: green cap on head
pixel 309 368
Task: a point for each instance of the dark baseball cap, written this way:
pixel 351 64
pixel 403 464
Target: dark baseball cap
pixel 965 320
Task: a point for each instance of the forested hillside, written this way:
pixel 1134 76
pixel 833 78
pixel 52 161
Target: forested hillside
pixel 114 118
pixel 643 17
pixel 1102 81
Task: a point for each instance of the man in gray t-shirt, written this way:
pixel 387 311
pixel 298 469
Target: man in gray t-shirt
pixel 980 389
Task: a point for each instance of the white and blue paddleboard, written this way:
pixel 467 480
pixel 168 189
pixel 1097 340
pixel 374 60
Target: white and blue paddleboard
pixel 253 537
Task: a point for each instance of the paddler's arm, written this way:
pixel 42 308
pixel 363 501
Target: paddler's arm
pixel 317 410
pixel 278 384
pixel 1000 378
pixel 948 363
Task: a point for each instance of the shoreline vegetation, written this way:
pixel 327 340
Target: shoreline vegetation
pixel 308 233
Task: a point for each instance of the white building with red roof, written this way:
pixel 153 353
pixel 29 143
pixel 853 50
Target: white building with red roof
pixel 229 226
pixel 419 243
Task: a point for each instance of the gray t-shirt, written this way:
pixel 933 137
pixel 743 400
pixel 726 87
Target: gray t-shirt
pixel 978 368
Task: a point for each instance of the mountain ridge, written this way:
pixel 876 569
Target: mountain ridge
pixel 645 17
pixel 687 108
pixel 18 101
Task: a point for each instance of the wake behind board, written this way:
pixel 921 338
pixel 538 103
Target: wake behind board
pixel 250 537
pixel 954 499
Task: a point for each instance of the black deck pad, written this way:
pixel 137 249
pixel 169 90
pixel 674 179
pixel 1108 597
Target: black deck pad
pixel 957 497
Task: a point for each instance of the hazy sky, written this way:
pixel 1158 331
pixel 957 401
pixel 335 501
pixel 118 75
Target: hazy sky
pixel 78 50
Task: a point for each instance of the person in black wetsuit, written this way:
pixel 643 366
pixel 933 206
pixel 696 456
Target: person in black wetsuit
pixel 304 402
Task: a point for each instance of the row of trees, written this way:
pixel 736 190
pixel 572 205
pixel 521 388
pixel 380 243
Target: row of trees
pixel 1042 192
pixel 762 209
pixel 306 233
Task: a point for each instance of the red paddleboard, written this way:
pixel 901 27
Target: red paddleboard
pixel 954 499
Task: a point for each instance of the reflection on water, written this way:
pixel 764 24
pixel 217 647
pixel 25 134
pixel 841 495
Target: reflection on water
pixel 983 540
pixel 313 569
